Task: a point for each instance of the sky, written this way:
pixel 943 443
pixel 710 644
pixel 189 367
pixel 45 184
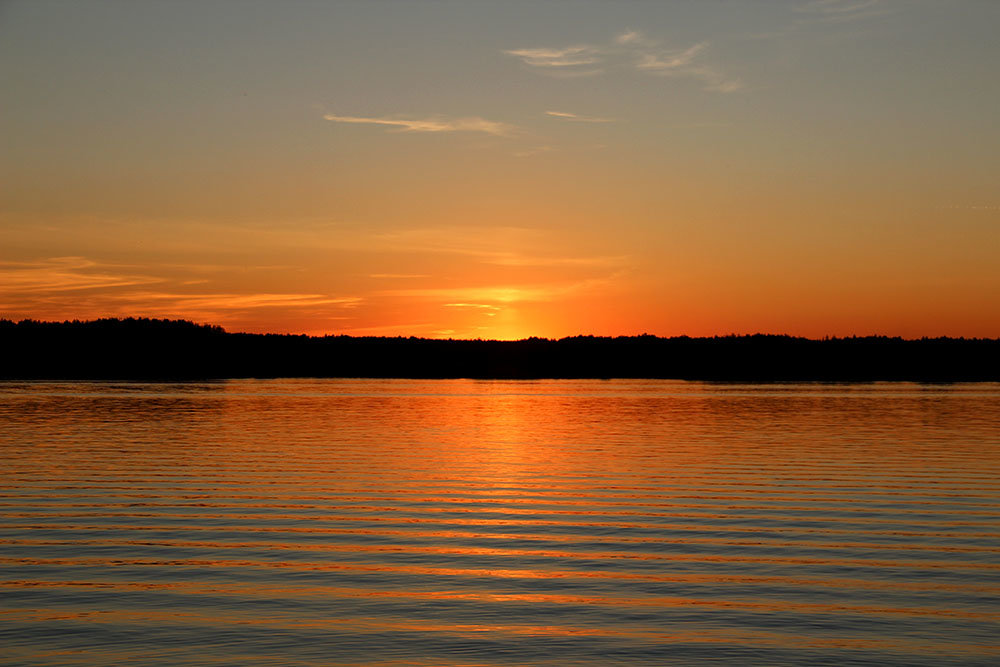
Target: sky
pixel 504 169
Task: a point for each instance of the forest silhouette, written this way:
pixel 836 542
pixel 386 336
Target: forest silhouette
pixel 155 349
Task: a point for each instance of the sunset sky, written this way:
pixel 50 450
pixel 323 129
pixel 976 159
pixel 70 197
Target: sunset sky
pixel 504 169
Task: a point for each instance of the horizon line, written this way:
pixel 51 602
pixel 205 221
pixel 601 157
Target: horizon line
pixel 4 321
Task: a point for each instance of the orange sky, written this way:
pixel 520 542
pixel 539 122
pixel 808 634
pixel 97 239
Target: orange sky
pixel 499 171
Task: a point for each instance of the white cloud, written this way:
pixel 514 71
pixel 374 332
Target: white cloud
pixel 577 118
pixel 629 50
pixel 842 10
pixel 838 6
pixel 570 56
pixel 683 64
pixel 629 37
pixel 472 124
pixel 671 60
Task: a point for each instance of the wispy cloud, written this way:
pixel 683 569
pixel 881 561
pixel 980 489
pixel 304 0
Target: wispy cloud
pixel 570 61
pixel 68 287
pixel 842 10
pixel 630 50
pixel 713 79
pixel 683 63
pixel 564 115
pixel 570 56
pixel 435 124
pixel 826 12
pixel 60 274
pixel 630 37
pixel 232 301
pixel 667 60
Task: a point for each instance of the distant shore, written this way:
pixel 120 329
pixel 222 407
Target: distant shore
pixel 149 349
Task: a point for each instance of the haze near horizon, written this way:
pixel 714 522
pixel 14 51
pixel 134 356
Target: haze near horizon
pixel 503 170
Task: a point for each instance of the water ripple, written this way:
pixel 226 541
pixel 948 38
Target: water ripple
pixel 318 522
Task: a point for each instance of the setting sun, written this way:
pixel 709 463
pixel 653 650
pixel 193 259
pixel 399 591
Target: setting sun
pixel 494 171
pixel 447 332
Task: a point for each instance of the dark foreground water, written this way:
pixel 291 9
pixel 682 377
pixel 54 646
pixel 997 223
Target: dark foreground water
pixel 301 522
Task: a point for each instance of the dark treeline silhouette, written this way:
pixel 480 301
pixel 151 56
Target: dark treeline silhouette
pixel 151 349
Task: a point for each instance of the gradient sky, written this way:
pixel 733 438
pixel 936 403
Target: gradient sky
pixel 504 169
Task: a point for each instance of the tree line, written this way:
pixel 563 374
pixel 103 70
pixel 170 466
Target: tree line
pixel 163 349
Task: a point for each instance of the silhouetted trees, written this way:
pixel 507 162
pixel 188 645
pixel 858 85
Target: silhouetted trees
pixel 153 349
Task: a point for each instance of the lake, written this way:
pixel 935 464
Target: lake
pixel 462 522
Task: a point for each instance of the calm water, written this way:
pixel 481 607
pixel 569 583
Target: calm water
pixel 304 522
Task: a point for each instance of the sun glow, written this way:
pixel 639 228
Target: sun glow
pixel 597 179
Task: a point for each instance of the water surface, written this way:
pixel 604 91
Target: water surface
pixel 318 522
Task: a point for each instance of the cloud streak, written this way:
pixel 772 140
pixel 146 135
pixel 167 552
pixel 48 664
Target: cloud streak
pixel 683 63
pixel 842 10
pixel 61 274
pixel 628 50
pixel 563 115
pixel 435 124
pixel 233 301
pixel 570 56
pixel 630 37
pixel 666 61
pixel 78 287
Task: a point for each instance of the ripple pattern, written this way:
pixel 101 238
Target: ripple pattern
pixel 460 522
